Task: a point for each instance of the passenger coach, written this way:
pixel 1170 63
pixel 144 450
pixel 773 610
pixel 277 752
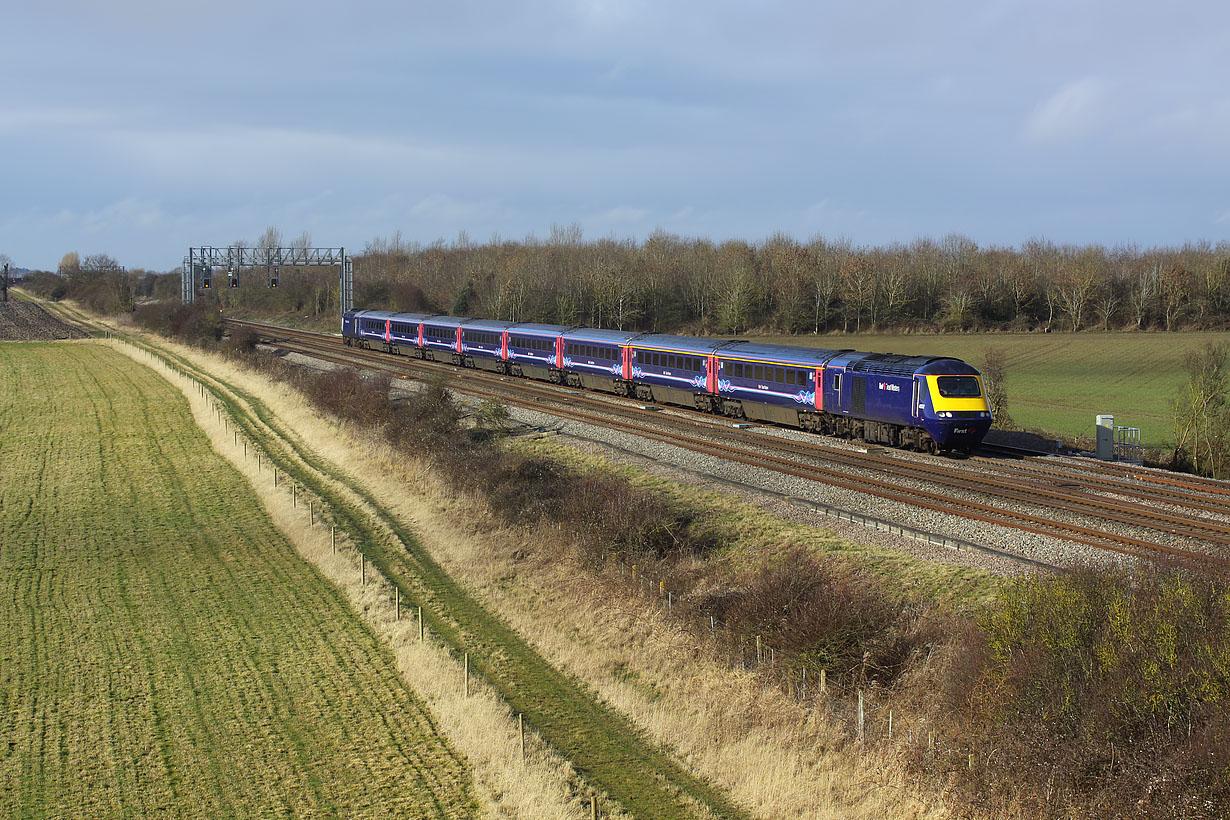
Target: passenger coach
pixel 919 402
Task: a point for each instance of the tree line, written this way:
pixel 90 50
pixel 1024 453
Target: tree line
pixel 673 283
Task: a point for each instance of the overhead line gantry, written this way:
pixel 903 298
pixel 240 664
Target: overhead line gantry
pixel 201 262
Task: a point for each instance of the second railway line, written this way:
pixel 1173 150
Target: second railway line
pixel 1094 511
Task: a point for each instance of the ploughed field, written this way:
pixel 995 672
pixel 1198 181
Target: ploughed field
pixel 163 649
pixel 1060 381
pixel 26 321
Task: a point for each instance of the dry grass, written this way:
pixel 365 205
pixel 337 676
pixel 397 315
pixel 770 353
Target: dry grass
pixel 774 756
pixel 480 725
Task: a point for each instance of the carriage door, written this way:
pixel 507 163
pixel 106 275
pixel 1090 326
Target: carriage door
pixel 917 412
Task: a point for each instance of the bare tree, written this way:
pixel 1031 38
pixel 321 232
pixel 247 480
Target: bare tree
pixel 1078 283
pixel 995 382
pixel 1175 291
pixel 270 239
pixel 1201 412
pixel 70 262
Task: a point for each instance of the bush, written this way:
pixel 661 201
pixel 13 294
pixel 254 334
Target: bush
pixel 827 618
pixel 242 342
pixel 1110 687
pixel 195 324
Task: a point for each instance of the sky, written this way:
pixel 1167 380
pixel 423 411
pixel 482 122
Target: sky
pixel 139 128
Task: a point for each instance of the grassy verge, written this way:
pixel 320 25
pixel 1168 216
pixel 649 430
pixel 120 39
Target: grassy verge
pixel 166 651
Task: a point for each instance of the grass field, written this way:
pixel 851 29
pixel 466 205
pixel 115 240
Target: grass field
pixel 1060 381
pixel 164 649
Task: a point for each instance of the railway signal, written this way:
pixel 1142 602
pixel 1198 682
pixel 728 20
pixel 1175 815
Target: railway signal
pixel 207 277
pixel 272 273
pixel 232 276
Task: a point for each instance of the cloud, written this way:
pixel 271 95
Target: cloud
pixel 1073 112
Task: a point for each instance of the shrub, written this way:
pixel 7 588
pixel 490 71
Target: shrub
pixel 242 341
pixel 1111 687
pixel 828 618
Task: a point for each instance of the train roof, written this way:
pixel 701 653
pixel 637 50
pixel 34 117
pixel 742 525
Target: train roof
pixel 371 314
pixel 446 321
pixel 948 367
pixel 532 329
pixel 684 344
pixel 413 318
pixel 809 356
pixel 489 324
pixel 895 364
pixel 595 334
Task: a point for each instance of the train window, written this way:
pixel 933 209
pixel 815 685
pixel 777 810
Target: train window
pixel 781 374
pixel 739 369
pixel 758 373
pixel 958 387
pixel 837 382
pixel 673 362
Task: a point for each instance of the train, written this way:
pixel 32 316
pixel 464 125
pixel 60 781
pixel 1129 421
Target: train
pixel 934 404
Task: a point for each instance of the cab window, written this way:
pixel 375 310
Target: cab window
pixel 959 387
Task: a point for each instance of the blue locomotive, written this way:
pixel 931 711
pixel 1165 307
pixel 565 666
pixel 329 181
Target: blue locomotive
pixel 931 403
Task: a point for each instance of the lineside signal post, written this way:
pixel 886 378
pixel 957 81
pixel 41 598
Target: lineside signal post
pixel 4 282
pixel 200 262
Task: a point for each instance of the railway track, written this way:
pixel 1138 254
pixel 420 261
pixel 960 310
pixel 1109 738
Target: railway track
pixel 1028 491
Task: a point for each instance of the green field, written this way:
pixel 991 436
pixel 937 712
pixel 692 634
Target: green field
pixel 163 649
pixel 1060 381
